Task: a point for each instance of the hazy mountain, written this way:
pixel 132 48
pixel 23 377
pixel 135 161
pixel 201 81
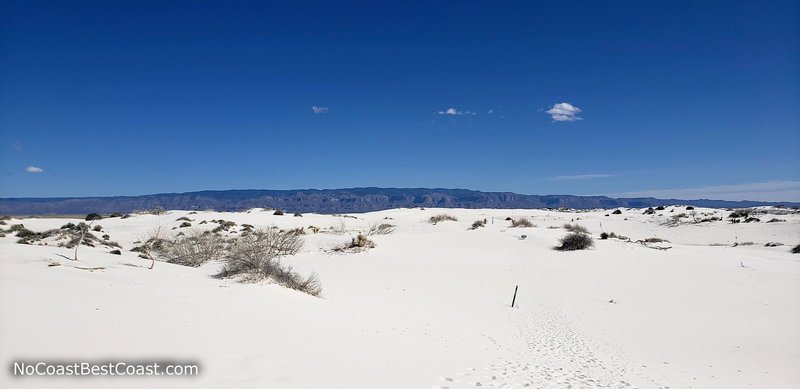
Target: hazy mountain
pixel 339 200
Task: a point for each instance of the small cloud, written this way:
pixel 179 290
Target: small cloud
pixel 580 177
pixel 564 112
pixel 17 146
pixel 33 169
pixel 491 110
pixel 319 109
pixel 453 111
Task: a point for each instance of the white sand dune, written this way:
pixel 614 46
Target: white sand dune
pixel 429 307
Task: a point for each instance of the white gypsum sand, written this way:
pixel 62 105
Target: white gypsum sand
pixel 428 307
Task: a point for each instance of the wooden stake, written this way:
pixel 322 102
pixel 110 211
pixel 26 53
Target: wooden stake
pixel 515 296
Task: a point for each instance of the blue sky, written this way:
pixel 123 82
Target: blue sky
pixel 675 99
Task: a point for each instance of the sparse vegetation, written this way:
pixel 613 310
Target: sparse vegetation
pixel 442 217
pixel 185 224
pixel 654 240
pixel 773 244
pixel 477 224
pixel 521 222
pixel 298 214
pixel 183 218
pixel 575 228
pixel 278 212
pixel 775 220
pixel 740 213
pixel 193 249
pixel 796 249
pixel 255 257
pixel 649 211
pixel 575 241
pixel 617 212
pixel 381 229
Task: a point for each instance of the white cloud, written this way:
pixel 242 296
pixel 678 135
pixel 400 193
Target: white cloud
pixel 491 110
pixel 319 109
pixel 453 111
pixel 776 191
pixel 564 112
pixel 580 177
pixel 33 169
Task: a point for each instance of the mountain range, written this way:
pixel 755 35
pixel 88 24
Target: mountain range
pixel 352 200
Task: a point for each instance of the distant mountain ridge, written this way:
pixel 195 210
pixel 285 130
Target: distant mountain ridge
pixel 352 200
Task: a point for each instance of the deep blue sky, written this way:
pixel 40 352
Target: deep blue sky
pixel 693 99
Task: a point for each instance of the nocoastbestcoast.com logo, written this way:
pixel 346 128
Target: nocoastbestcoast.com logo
pixel 103 369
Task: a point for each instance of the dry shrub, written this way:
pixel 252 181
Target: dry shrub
pixel 796 249
pixel 381 229
pixel 654 240
pixel 193 249
pixel 575 241
pixel 442 217
pixel 478 223
pixel 521 222
pixel 576 228
pixel 255 257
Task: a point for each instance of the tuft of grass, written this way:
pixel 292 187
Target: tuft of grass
pixel 521 222
pixel 477 224
pixel 654 240
pixel 442 217
pixel 576 228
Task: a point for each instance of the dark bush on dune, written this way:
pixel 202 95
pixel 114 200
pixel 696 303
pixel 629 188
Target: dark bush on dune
pixel 617 212
pixel 93 216
pixel 575 241
pixel 796 249
pixel 649 211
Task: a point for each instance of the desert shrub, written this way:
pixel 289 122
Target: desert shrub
pixel 224 225
pixel 690 208
pixel 17 227
pixel 521 222
pixel 314 229
pixel 278 212
pixel 298 214
pixel 709 219
pixel 796 249
pixel 98 228
pixel 649 211
pixel 255 257
pixel 106 237
pixel 603 235
pixel 775 220
pixel 744 212
pixel 478 223
pixel 743 244
pixel 660 208
pixel 575 228
pixel 183 218
pixel 773 244
pixel 654 240
pixel 752 220
pixel 115 252
pixel 442 217
pixel 617 212
pixel 381 229
pixel 185 224
pixel 508 219
pixel 575 241
pixel 193 249
pixel 92 216
pixel 115 214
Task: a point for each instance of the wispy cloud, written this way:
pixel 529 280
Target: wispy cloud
pixel 491 110
pixel 580 177
pixel 33 169
pixel 453 111
pixel 758 191
pixel 564 112
pixel 319 109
